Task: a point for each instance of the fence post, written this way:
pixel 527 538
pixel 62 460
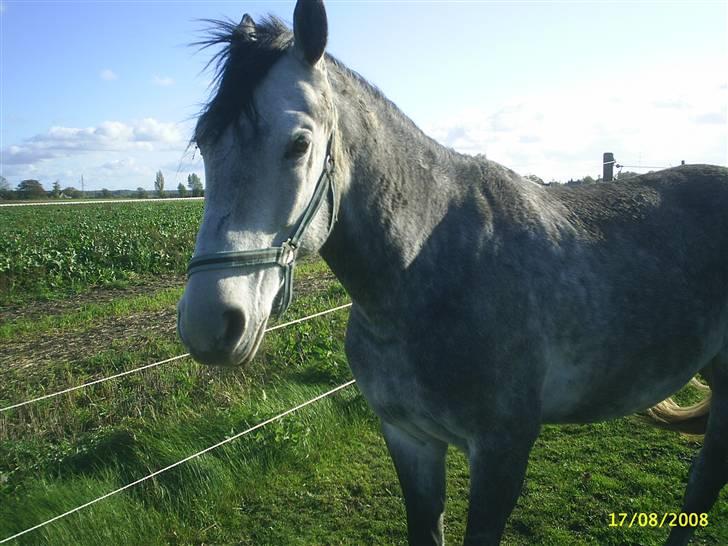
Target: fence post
pixel 608 167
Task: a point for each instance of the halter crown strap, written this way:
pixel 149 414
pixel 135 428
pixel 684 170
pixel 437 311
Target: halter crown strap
pixel 284 255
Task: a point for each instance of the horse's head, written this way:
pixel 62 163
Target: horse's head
pixel 265 139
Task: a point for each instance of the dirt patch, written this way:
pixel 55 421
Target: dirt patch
pixel 36 309
pixel 312 284
pixel 58 346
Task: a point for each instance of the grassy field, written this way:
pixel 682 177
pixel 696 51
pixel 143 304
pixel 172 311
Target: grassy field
pixel 321 476
pixel 53 251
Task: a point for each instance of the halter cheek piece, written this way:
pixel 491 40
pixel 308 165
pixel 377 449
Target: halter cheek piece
pixel 285 255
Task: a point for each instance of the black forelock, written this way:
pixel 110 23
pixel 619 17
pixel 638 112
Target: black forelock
pixel 240 66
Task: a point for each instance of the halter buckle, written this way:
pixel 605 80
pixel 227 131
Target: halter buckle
pixel 288 254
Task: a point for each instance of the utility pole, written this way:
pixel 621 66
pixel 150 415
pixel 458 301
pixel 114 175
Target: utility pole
pixel 82 188
pixel 608 167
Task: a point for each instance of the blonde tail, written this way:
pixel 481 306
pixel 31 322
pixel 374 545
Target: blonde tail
pixel 689 419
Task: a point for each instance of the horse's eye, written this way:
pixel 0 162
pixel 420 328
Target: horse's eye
pixel 298 147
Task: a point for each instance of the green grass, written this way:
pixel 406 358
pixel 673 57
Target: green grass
pixel 50 251
pixel 89 313
pixel 321 476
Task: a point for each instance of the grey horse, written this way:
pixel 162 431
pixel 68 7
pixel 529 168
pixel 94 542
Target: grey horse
pixel 483 304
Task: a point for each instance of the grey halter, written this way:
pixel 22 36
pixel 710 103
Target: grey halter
pixel 285 255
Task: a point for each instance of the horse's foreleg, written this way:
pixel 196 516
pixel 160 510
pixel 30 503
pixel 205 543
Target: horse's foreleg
pixel 421 470
pixel 709 472
pixel 497 468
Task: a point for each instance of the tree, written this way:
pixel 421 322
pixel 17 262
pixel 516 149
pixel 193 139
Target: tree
pixel 181 190
pixel 581 181
pixel 105 193
pixel 31 189
pixel 141 193
pixel 624 175
pixel 56 189
pixel 70 191
pixel 195 185
pixel 5 191
pixel 534 178
pixel 159 184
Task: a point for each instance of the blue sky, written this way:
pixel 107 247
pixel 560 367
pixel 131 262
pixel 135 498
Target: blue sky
pixel 109 90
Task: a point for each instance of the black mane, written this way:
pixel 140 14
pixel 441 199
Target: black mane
pixel 239 67
pixel 242 64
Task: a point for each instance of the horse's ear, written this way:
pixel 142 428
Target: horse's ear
pixel 246 28
pixel 310 29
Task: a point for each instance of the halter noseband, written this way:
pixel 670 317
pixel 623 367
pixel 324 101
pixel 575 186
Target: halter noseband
pixel 285 255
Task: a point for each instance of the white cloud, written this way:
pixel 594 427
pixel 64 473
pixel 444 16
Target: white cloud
pixel 20 155
pixel 127 164
pixel 162 81
pixel 718 117
pixel 108 75
pixel 147 134
pixel 112 154
pixel 655 119
pixel 151 130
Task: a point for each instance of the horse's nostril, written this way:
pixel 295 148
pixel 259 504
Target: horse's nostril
pixel 234 326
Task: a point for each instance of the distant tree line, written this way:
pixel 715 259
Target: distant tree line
pixel 586 181
pixel 589 180
pixel 33 189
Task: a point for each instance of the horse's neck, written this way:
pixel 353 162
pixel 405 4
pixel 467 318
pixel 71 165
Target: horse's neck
pixel 397 188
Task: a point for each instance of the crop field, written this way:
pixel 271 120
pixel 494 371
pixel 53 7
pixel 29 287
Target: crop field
pixel 89 291
pixel 46 251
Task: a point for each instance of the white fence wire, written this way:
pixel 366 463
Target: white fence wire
pixel 155 364
pixel 182 461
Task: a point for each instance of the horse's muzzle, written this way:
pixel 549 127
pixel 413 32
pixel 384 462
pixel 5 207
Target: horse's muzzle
pixel 218 338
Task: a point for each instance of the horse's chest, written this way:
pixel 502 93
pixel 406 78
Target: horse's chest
pixel 395 388
pixel 401 401
pixel 393 393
